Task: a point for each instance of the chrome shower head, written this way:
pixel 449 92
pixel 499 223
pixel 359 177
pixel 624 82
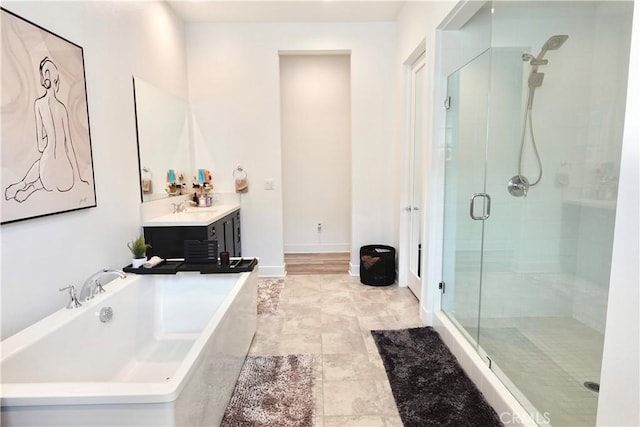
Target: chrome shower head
pixel 553 43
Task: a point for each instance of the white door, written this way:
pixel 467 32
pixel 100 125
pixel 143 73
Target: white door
pixel 416 173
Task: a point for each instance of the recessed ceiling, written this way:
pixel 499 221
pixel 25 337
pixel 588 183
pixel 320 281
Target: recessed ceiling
pixel 285 11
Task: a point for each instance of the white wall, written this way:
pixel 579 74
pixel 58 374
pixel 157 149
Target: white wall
pixel 577 116
pixel 620 377
pixel 41 255
pixel 315 96
pixel 416 24
pixel 235 101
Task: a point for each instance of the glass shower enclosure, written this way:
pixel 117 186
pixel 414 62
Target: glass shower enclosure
pixel 533 138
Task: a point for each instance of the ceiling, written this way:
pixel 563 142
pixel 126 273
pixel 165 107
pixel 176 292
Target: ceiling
pixel 286 11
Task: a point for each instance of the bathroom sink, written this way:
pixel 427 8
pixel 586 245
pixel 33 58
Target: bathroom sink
pixel 192 217
pixel 202 209
pixel 195 215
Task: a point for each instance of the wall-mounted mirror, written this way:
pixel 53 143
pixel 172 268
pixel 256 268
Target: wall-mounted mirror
pixel 162 123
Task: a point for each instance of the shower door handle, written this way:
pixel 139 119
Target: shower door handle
pixel 487 207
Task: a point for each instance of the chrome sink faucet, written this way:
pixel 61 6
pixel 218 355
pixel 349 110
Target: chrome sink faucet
pixel 92 286
pixel 178 207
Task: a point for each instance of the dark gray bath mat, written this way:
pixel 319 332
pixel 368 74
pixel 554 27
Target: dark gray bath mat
pixel 429 386
pixel 273 391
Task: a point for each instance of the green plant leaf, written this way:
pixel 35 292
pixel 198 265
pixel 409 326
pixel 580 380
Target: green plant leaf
pixel 138 247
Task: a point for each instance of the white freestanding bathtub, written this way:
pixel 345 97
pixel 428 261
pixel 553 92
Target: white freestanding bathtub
pixel 171 355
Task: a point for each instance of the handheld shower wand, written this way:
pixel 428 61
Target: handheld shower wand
pixel 553 43
pixel 518 186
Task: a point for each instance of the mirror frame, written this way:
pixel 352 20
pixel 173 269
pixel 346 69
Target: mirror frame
pixel 187 161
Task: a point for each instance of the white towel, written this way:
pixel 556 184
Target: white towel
pixel 155 260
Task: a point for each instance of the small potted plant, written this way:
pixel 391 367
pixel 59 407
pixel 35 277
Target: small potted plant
pixel 138 248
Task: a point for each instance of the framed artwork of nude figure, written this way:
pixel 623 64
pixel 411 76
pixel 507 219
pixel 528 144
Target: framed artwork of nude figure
pixel 46 162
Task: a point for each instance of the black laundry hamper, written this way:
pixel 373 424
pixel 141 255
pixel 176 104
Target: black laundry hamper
pixel 377 265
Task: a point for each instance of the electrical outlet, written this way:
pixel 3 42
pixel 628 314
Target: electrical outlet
pixel 319 227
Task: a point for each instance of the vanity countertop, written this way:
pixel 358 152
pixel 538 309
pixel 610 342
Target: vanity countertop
pixel 194 216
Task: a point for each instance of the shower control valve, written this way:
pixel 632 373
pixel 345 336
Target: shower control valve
pixel 518 186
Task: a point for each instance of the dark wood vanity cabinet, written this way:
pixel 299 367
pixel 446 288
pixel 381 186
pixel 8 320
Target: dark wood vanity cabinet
pixel 231 233
pixel 230 229
pixel 237 247
pixel 168 242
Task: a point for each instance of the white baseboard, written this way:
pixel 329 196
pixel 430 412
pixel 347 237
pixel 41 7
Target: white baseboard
pixel 426 315
pixel 354 269
pixel 271 270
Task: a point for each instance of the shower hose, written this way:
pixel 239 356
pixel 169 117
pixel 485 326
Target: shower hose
pixel 528 119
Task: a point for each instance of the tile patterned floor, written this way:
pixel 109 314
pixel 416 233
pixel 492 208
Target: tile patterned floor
pixel 561 354
pixel 559 318
pixel 330 316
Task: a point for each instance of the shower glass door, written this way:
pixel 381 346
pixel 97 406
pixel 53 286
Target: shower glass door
pixel 467 100
pixel 528 283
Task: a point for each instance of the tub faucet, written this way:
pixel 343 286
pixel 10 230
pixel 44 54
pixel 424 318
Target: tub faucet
pixel 73 301
pixel 92 286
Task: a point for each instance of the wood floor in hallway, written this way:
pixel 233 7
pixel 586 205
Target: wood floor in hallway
pixel 317 263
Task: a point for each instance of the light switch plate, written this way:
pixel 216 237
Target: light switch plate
pixel 269 184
